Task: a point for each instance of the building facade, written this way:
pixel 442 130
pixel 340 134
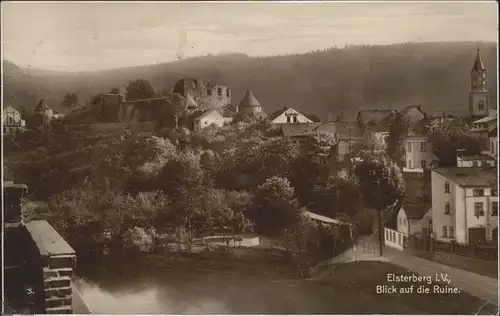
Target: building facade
pixel 207 95
pixel 464 205
pixel 208 118
pixel 12 122
pixel 289 116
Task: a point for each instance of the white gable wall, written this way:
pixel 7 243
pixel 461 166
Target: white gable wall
pixel 282 119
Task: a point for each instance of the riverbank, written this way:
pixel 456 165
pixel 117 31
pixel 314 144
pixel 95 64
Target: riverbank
pixel 266 263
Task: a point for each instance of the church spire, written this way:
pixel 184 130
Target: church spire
pixel 478 64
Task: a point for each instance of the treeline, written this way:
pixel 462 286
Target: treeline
pixel 236 179
pixel 435 75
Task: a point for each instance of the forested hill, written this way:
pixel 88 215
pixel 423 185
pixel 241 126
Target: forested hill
pixel 435 75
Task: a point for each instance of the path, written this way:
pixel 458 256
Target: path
pixel 480 286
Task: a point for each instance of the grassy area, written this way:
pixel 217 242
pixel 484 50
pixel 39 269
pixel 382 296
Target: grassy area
pixel 364 277
pixel 474 265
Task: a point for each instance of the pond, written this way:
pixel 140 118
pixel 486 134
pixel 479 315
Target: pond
pixel 139 288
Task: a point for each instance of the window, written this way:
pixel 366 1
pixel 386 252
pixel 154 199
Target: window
pixel 295 119
pixel 480 105
pixel 475 164
pixel 494 209
pixel 494 192
pixel 400 221
pixel 478 209
pixel 424 164
pixel 446 187
pixel 227 93
pixel 478 192
pixel 409 147
pixel 451 232
pixel 386 235
pixel 422 147
pixel 447 209
pixel 219 91
pixel 445 231
pixel 209 92
pixel 399 239
pixel 288 120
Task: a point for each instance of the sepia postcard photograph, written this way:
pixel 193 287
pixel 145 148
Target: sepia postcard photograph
pixel 249 157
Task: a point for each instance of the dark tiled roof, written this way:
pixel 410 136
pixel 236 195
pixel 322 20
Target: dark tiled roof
pixel 277 113
pixel 469 177
pixel 415 208
pixel 477 157
pixel 373 116
pixel 419 128
pixel 299 129
pixel 201 114
pixel 342 129
pixel 249 100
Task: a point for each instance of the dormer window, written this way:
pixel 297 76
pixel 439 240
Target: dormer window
pixel 478 192
pixel 219 91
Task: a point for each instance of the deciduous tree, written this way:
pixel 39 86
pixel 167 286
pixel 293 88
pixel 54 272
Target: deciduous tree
pixel 70 100
pixel 398 132
pixel 381 184
pixel 139 89
pixel 275 207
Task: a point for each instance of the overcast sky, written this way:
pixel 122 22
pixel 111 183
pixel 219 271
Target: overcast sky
pixel 100 35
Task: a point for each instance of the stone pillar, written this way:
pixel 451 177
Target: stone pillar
pixel 15 255
pixel 57 261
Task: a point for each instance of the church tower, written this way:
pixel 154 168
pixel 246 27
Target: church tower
pixel 478 96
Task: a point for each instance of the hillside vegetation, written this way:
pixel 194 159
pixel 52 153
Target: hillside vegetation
pixel 435 75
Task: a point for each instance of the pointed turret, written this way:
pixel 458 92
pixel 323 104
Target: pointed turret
pixel 249 103
pixel 478 64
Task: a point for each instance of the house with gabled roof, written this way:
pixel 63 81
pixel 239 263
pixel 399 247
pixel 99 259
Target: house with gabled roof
pixel 206 118
pixel 288 115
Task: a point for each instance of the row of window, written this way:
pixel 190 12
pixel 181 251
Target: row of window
pixel 422 147
pixel 423 164
pixel 289 118
pixel 478 209
pixel 219 92
pixel 448 231
pixel 475 192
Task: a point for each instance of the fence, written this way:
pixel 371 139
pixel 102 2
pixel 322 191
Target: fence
pixel 485 252
pixel 395 239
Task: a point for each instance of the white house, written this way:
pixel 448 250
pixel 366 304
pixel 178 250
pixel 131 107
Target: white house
pixel 12 121
pixel 484 126
pixel 482 160
pixel 208 118
pixel 464 204
pixel 413 216
pixel 288 116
